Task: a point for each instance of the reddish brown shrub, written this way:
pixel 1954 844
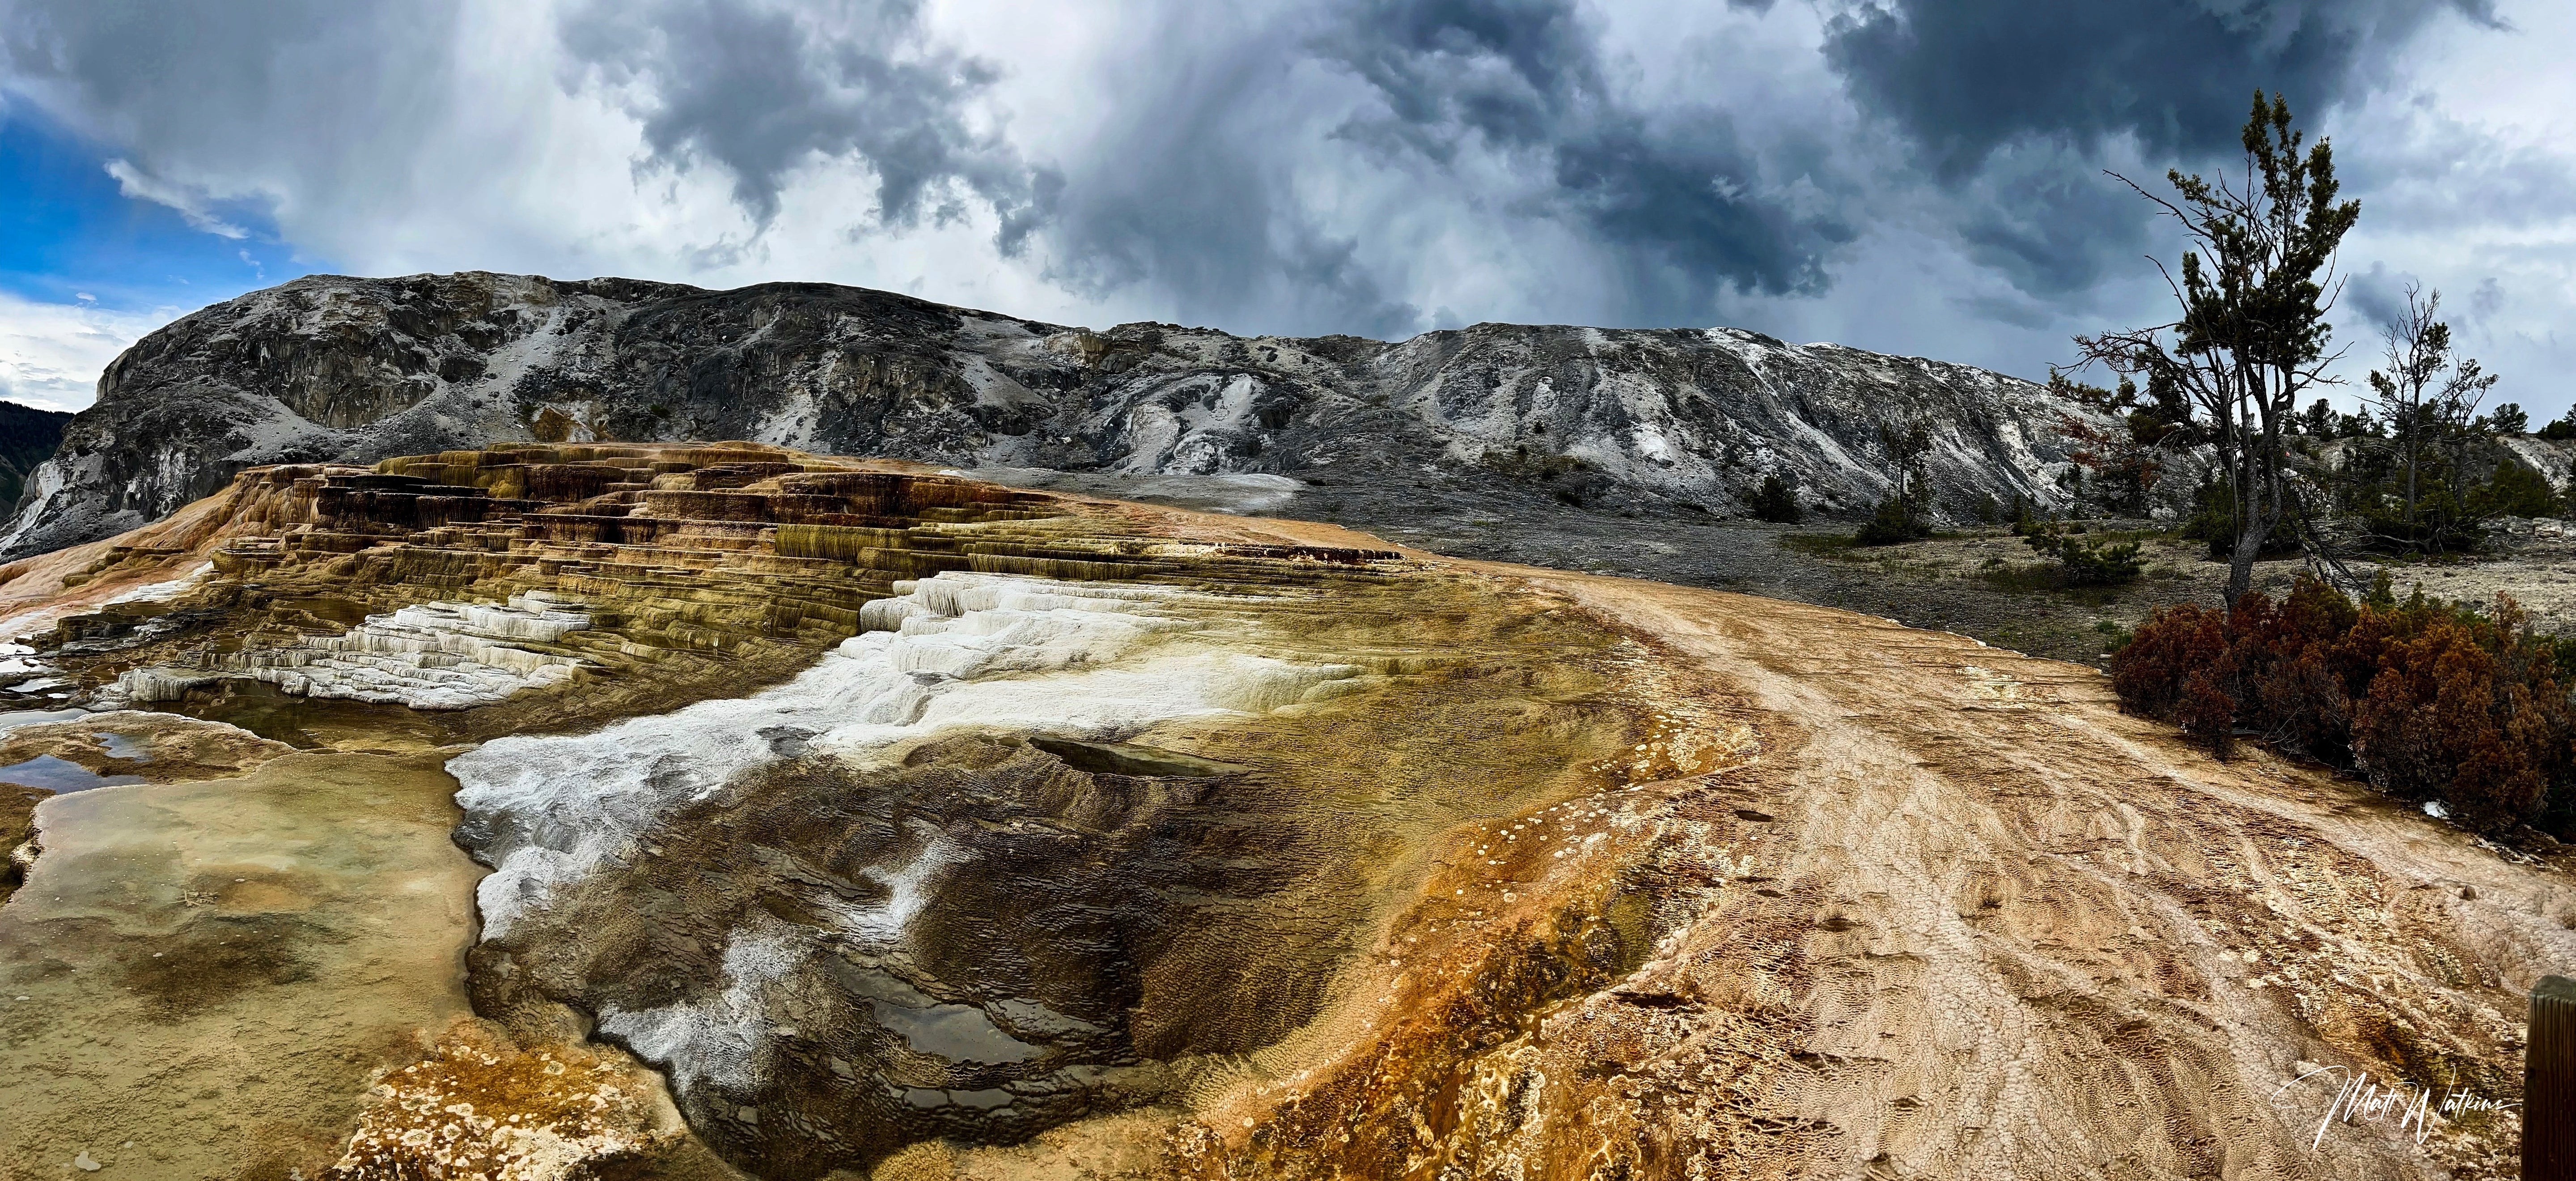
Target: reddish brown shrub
pixel 2306 704
pixel 2429 702
pixel 2206 712
pixel 2148 671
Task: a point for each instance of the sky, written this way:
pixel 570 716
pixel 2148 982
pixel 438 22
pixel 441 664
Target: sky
pixel 1922 177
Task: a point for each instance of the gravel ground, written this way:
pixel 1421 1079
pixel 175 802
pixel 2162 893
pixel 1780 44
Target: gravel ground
pixel 1980 582
pixel 1944 584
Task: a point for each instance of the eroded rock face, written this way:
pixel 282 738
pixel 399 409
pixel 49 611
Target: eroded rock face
pixel 336 369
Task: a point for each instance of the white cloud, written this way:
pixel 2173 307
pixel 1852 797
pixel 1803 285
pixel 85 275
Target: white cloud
pixel 192 205
pixel 51 353
pixel 2467 180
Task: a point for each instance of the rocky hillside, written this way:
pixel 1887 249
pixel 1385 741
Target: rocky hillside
pixel 28 437
pixel 329 368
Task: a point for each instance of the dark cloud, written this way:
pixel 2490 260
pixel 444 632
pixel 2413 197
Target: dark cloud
pixel 2486 299
pixel 1513 71
pixel 2049 221
pixel 1923 175
pixel 180 86
pixel 2016 106
pixel 2426 168
pixel 1188 193
pixel 1679 205
pixel 1965 77
pixel 759 91
pixel 2378 294
pixel 1502 113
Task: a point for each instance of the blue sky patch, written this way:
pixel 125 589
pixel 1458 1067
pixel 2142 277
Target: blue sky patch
pixel 68 229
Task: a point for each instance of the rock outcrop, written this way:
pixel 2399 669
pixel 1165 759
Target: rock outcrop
pixel 344 370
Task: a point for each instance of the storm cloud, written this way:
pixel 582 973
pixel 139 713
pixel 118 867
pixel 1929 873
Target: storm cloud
pixel 1672 195
pixel 1966 77
pixel 1919 176
pixel 757 89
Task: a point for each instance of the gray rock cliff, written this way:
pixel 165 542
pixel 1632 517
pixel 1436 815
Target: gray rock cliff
pixel 345 369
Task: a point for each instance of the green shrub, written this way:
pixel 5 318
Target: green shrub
pixel 2213 521
pixel 1776 501
pixel 1895 521
pixel 2516 490
pixel 2088 563
pixel 2442 523
pixel 2024 522
pixel 1906 513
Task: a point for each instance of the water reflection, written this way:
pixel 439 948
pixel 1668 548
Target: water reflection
pixel 60 775
pixel 12 719
pixel 128 747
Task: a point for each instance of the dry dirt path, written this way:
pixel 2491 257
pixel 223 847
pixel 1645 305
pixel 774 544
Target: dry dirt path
pixel 2050 940
pixel 2028 935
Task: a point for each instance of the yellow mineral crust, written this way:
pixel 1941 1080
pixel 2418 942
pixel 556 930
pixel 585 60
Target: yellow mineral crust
pixel 1574 877
pixel 1903 933
pixel 477 1106
pixel 715 567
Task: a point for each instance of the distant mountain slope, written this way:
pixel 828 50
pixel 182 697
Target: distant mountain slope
pixel 28 437
pixel 334 368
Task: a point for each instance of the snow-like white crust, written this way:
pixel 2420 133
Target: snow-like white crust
pixel 960 650
pixel 426 656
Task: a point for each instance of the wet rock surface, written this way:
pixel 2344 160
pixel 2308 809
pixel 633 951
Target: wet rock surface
pixel 474 578
pixel 106 749
pixel 900 825
pixel 1056 878
pixel 345 370
pixel 198 976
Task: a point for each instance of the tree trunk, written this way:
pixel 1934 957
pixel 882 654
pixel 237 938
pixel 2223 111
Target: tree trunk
pixel 2249 522
pixel 2247 478
pixel 2240 565
pixel 2412 446
pixel 2263 496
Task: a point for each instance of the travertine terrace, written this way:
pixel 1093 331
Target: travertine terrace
pixel 718 810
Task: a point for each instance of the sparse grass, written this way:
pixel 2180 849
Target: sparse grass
pixel 2020 578
pixel 1821 545
pixel 2037 578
